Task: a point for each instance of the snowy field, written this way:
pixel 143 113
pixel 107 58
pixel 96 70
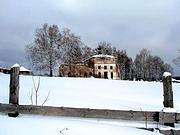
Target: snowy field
pixel 84 93
pixel 92 93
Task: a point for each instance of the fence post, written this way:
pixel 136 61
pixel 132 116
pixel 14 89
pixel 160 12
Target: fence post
pixel 167 87
pixel 167 118
pixel 14 85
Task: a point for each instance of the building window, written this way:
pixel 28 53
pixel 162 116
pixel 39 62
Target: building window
pixel 99 74
pixel 85 74
pixel 111 67
pixel 105 67
pixel 90 73
pixel 99 67
pixel 106 75
pixel 111 75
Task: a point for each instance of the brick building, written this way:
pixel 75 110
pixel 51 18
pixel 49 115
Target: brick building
pixel 77 70
pixel 98 66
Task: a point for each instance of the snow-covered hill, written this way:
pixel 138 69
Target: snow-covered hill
pixel 92 93
pixel 84 93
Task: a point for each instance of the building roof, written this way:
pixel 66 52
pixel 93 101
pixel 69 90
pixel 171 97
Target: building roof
pixel 101 55
pixel 24 69
pixel 16 65
pixel 21 68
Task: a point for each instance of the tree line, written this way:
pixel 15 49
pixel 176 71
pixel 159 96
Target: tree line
pixel 52 46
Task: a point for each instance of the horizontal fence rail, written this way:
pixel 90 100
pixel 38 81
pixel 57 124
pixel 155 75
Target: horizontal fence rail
pixel 86 112
pixel 93 113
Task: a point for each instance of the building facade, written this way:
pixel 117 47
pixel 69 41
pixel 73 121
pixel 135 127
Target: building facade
pixel 76 70
pixel 98 66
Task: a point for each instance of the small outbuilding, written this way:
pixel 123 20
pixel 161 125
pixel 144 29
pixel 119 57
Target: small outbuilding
pixel 23 70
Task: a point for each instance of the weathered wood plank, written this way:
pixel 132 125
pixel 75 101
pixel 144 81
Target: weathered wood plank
pixel 14 85
pixel 82 112
pixel 168 93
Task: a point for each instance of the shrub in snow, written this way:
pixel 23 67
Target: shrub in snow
pixel 35 92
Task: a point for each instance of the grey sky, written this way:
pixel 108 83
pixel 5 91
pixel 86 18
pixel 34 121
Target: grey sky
pixel 127 24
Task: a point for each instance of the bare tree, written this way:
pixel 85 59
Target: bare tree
pixel 168 68
pixel 158 64
pixel 35 92
pixel 125 63
pixel 148 67
pixel 87 52
pixel 36 89
pixel 128 69
pixel 141 64
pixel 104 48
pixel 43 54
pixel 71 45
pixel 177 60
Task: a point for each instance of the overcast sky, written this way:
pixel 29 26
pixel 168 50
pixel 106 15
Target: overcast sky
pixel 128 24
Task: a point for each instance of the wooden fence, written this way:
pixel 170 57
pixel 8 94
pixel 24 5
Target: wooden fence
pixel 89 113
pixel 95 113
pixel 13 108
